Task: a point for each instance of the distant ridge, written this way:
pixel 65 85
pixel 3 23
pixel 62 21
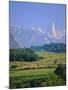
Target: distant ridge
pixel 52 47
pixel 21 37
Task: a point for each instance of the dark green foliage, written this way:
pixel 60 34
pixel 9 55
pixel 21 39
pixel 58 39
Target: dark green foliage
pixel 61 71
pixel 55 47
pixel 13 66
pixel 24 54
pixel 52 47
pixel 55 61
pixel 22 82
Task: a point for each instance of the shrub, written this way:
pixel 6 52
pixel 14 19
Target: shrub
pixel 61 71
pixel 13 66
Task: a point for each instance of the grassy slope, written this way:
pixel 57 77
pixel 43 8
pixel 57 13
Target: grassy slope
pixel 34 72
pixel 48 59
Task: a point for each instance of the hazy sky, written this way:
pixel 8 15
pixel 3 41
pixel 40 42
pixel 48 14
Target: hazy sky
pixel 35 14
pixel 47 18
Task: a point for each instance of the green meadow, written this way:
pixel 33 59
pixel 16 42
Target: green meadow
pixel 37 73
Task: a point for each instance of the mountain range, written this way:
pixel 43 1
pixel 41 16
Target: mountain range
pixel 35 36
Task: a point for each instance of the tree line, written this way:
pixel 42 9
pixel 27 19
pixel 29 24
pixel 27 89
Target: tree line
pixel 24 54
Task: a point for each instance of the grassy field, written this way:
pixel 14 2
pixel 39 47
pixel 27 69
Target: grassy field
pixel 26 74
pixel 47 59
